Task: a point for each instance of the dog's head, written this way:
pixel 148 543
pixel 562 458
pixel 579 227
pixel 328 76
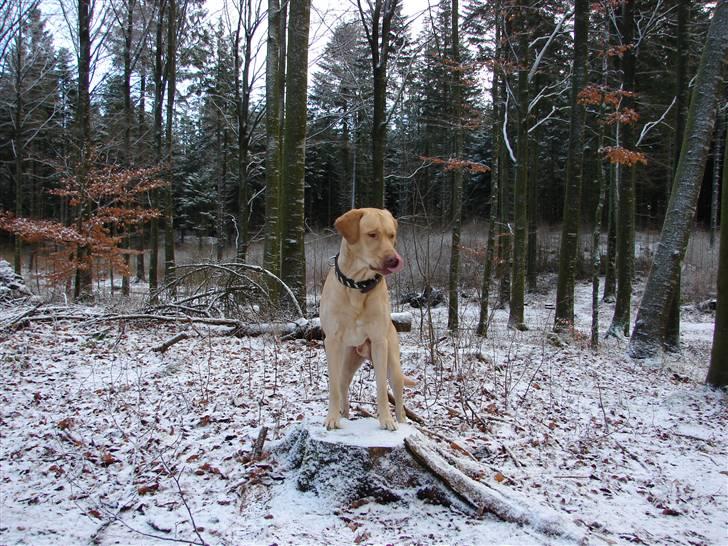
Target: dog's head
pixel 372 235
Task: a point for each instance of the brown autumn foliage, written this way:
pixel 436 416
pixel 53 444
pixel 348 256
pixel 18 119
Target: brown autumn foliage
pixel 623 156
pixel 106 204
pixel 472 167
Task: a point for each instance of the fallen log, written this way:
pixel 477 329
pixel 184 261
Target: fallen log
pixel 302 328
pixel 503 504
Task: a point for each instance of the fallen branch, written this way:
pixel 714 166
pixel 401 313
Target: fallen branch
pixel 167 344
pixel 500 502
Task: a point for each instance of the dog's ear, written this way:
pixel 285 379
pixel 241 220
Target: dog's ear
pixel 348 225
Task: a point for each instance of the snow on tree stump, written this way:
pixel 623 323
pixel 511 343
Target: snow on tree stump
pixel 360 461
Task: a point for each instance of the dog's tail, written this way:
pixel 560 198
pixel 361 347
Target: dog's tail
pixel 408 381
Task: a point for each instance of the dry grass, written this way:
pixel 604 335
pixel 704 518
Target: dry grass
pixel 427 254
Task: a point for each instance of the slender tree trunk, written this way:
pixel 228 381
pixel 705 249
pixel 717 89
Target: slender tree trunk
pixel 220 208
pixel 128 123
pixel 172 25
pixel 242 106
pixel 564 317
pixel 520 239
pixel 83 289
pixel 457 191
pixel 159 84
pixel 625 190
pixel 141 123
pixel 275 60
pixel 19 145
pixel 484 320
pixel 533 216
pixel 718 371
pixel 610 275
pixel 378 35
pixel 650 324
pixel 293 262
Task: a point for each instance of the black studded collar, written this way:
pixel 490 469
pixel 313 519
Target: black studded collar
pixel 363 286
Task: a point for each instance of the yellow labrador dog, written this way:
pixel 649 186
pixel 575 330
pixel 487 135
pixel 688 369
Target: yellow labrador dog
pixel 356 314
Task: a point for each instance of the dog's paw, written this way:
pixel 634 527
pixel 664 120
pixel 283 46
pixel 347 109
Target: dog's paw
pixel 387 423
pixel 401 418
pixel 332 422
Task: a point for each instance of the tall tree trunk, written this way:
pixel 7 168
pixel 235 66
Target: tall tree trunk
pixel 293 258
pixel 275 61
pixel 159 84
pixel 141 131
pixel 83 288
pixel 172 26
pixel 457 190
pixel 564 317
pixel 650 323
pixel 671 340
pixel 718 371
pixel 625 189
pixel 128 30
pixel 533 216
pixel 520 239
pixel 220 208
pixel 377 30
pixel 247 23
pixel 19 144
pixel 484 320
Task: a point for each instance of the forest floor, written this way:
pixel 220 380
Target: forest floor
pixel 104 440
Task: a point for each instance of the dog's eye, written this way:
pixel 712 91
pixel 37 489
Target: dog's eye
pixel 373 235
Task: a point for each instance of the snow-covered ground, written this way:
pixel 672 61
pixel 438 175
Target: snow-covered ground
pixel 104 440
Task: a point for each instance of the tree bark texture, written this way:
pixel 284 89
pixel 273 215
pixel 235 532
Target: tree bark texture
pixel 275 56
pixel 520 189
pixel 83 285
pixel 564 317
pixel 172 27
pixel 650 324
pixel 293 258
pixel 718 371
pixel 457 190
pixel 484 320
pixel 672 330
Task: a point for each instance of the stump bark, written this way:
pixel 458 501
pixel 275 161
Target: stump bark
pixel 359 461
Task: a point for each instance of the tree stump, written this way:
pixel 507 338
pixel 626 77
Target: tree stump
pixel 362 463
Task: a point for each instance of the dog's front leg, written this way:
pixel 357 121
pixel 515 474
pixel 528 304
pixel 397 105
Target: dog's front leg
pixel 380 354
pixel 335 360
